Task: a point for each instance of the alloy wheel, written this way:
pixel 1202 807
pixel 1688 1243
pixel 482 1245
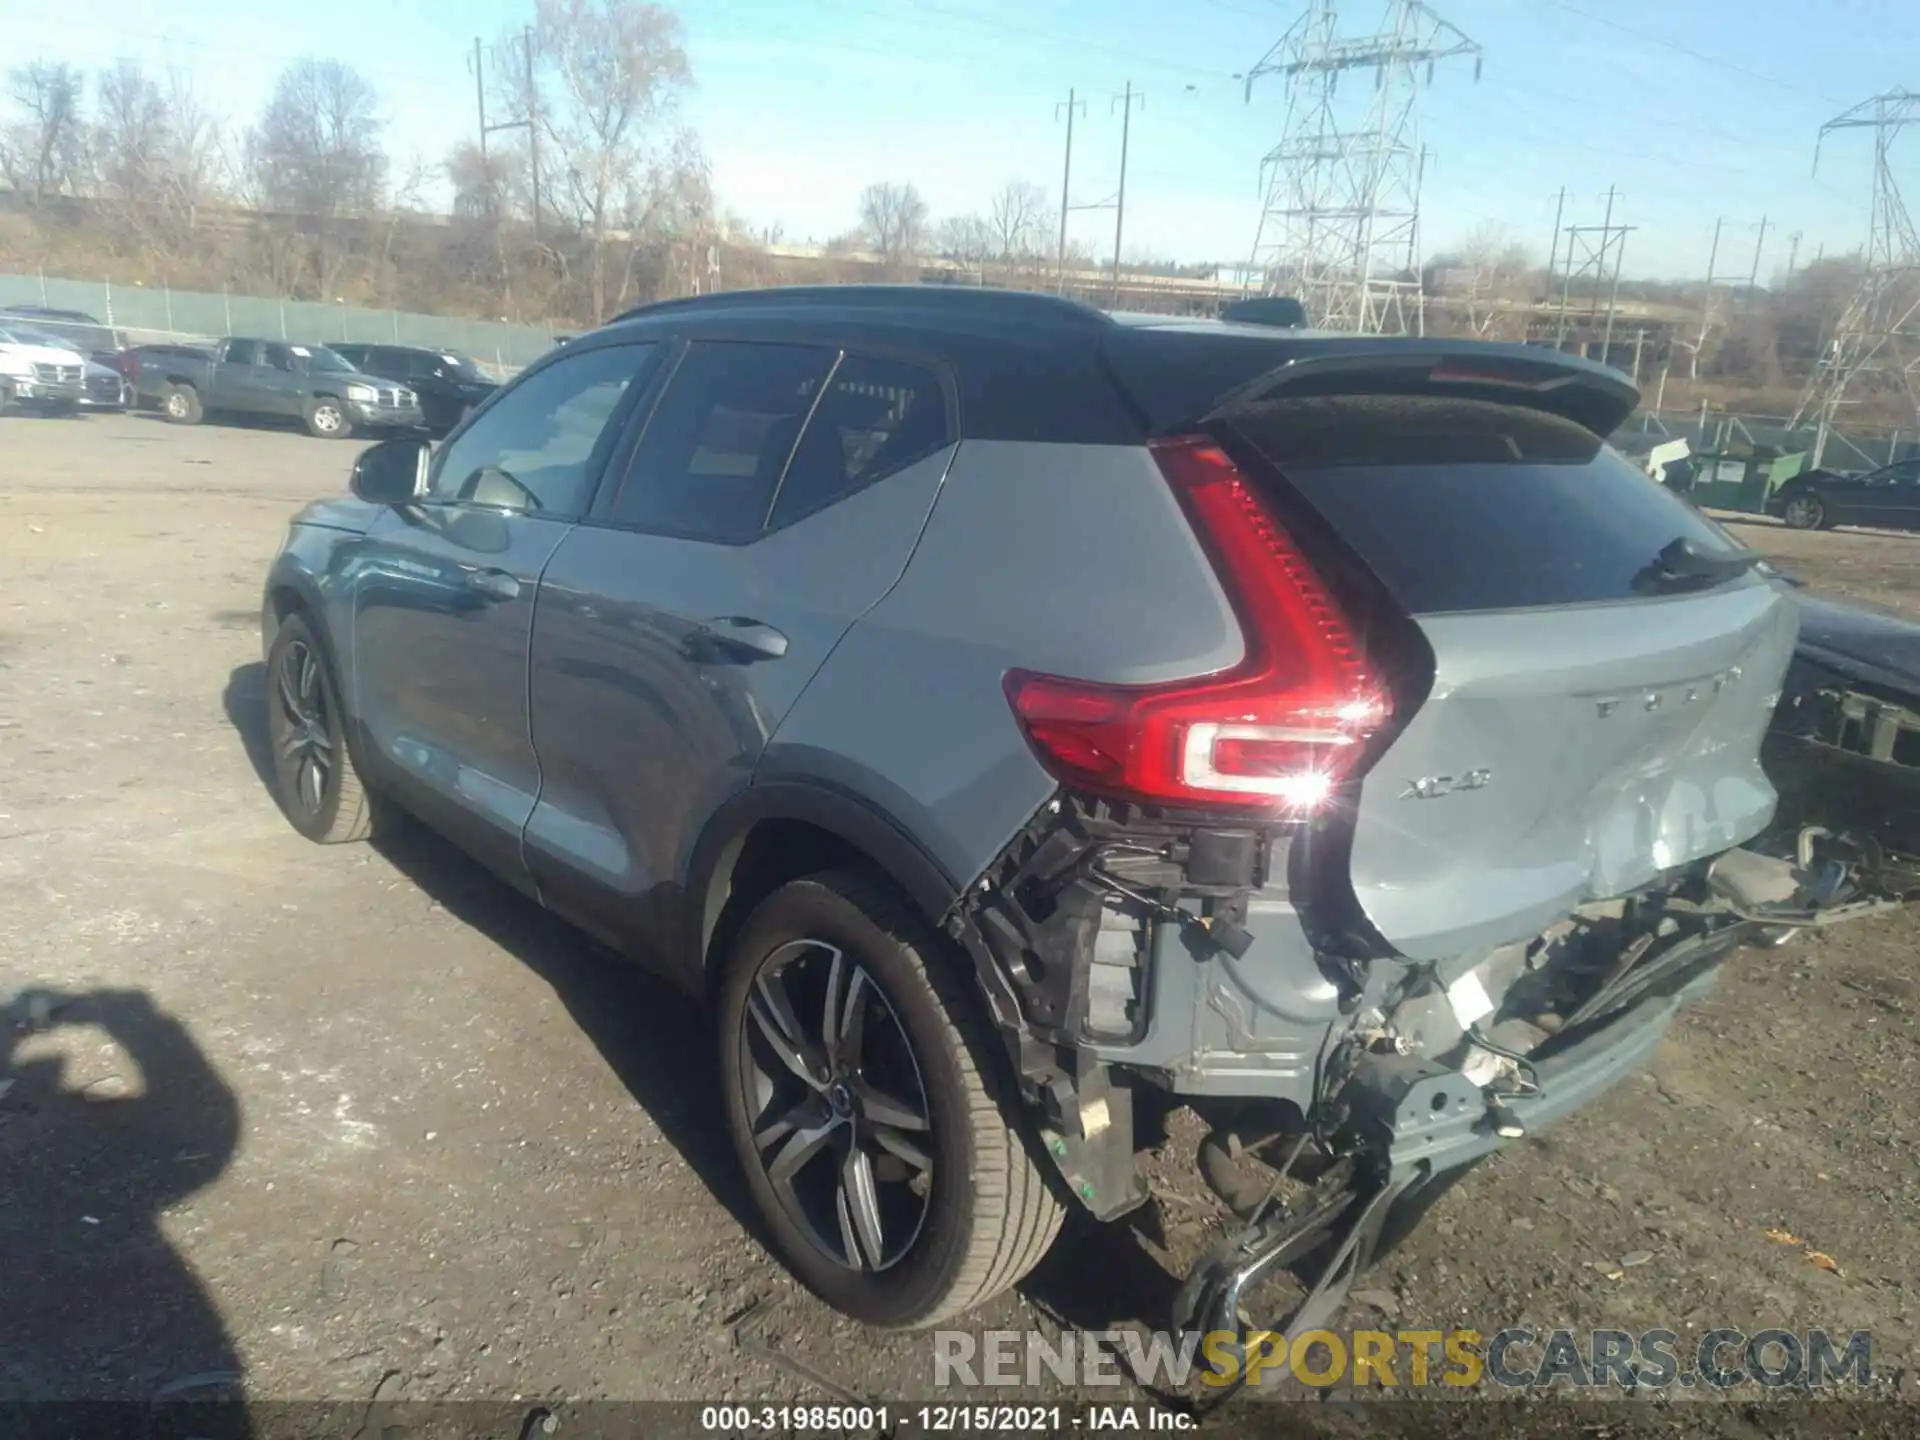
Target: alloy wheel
pixel 1803 512
pixel 326 418
pixel 841 1125
pixel 304 749
pixel 177 405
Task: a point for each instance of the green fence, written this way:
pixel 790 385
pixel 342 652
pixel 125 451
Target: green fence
pixel 148 314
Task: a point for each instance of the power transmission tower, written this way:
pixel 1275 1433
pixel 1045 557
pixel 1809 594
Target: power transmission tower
pixel 1597 251
pixel 529 102
pixel 1340 227
pixel 1877 338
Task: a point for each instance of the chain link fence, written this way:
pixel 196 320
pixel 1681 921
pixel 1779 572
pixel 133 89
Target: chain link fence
pixel 149 315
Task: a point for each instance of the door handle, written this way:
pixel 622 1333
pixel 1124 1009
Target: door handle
pixel 748 636
pixel 494 584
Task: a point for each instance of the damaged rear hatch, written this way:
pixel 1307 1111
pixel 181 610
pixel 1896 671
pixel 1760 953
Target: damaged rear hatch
pixel 1583 666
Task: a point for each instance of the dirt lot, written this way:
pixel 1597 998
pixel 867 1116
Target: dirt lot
pixel 347 1120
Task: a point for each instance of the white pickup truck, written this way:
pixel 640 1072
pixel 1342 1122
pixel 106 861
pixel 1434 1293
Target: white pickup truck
pixel 38 376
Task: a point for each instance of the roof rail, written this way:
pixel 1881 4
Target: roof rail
pixel 956 300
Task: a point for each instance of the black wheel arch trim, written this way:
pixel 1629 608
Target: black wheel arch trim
pixel 840 812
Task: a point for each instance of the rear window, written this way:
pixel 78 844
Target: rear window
pixel 1466 505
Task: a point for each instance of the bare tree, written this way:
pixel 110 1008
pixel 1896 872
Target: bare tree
pixel 131 143
pixel 1487 276
pixel 198 164
pixel 316 151
pixel 968 239
pixel 893 222
pixel 608 73
pixel 1019 219
pixel 44 151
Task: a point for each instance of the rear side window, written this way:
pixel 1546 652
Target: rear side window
pixel 243 352
pixel 718 444
pixel 1462 505
pixel 878 416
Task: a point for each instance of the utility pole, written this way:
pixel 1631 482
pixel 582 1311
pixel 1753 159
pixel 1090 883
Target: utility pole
pixel 533 132
pixel 1125 102
pixel 1753 279
pixel 1793 251
pixel 1066 186
pixel 1553 250
pixel 1590 256
pixel 480 93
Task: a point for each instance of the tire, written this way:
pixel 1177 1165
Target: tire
pixel 1803 510
pixel 327 419
pixel 180 404
pixel 315 781
pixel 6 399
pixel 946 1235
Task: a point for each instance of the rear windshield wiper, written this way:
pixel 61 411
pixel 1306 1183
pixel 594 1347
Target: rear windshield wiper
pixel 1679 566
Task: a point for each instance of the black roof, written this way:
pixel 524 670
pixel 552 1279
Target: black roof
pixel 1035 366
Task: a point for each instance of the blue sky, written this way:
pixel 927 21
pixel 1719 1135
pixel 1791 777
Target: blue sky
pixel 1693 108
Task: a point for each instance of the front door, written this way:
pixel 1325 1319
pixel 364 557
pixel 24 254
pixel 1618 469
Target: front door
pixel 1892 497
pixel 443 598
pixel 774 498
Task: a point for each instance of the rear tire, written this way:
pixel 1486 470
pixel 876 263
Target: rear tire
pixel 180 404
pixel 1804 510
pixel 327 419
pixel 315 781
pixel 959 1209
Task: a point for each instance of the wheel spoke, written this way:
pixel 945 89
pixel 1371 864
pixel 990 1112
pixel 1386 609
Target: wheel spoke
pixel 801 1146
pixel 859 1208
pixel 806 1114
pixel 853 1020
pixel 313 782
pixel 294 744
pixel 830 1006
pixel 772 1011
pixel 884 1109
pixel 289 697
pixel 895 1143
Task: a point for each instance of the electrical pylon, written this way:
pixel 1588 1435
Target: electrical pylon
pixel 1340 228
pixel 1876 342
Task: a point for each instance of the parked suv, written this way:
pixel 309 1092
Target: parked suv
pixel 449 386
pixel 1018 720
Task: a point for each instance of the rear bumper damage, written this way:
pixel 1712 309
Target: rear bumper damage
pixel 1134 962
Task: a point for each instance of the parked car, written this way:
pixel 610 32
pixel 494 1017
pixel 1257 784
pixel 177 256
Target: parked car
pixel 1017 720
pixel 268 378
pixel 37 376
pixel 1821 499
pixel 450 385
pixel 74 328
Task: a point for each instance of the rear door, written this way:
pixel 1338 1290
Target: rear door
pixel 1582 722
pixel 234 378
pixel 775 496
pixel 443 597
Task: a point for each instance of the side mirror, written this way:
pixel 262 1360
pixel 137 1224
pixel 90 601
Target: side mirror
pixel 393 472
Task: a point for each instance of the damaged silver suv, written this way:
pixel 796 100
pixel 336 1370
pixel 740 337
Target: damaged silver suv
pixel 1019 720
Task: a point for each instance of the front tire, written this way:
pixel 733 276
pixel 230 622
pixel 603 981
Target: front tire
pixel 327 419
pixel 315 781
pixel 871 1110
pixel 1804 511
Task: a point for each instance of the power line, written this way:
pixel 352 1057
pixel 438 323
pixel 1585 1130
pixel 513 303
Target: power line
pixel 1666 44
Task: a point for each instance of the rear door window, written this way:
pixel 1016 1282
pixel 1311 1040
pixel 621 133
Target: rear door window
pixel 878 416
pixel 243 352
pixel 1462 505
pixel 719 442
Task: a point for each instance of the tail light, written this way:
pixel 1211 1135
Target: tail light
pixel 1278 732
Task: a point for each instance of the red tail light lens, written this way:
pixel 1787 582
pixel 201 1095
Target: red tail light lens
pixel 1278 732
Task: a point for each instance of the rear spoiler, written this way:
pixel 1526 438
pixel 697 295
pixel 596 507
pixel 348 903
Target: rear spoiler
pixel 1181 378
pixel 1589 395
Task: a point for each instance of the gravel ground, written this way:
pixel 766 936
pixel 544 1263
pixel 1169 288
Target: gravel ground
pixel 353 1121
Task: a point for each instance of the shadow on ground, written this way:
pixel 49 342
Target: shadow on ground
pixel 652 1036
pixel 99 1306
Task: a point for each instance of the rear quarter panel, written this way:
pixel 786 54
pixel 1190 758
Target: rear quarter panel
pixel 1072 560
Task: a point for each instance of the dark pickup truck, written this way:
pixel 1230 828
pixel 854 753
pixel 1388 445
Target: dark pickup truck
pixel 269 379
